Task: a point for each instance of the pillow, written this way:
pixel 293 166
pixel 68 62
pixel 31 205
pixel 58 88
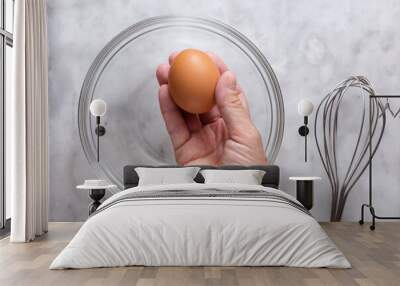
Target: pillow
pixel 162 176
pixel 248 177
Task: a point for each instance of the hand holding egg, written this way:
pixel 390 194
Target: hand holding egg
pixel 206 113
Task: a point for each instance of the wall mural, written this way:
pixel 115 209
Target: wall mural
pixel 311 46
pixel 344 171
pixel 125 74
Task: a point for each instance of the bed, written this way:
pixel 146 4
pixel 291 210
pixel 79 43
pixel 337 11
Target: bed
pixel 199 224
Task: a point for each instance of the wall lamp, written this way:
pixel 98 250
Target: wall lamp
pixel 305 108
pixel 98 108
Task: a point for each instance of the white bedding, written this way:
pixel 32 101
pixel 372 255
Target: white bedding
pixel 200 231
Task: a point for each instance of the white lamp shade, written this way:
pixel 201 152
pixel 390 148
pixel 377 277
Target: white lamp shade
pixel 305 107
pixel 98 107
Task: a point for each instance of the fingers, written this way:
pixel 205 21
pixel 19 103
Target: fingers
pixel 217 60
pixel 211 116
pixel 222 67
pixel 229 101
pixel 172 57
pixel 176 125
pixel 192 121
pixel 214 113
pixel 162 74
pixel 163 70
pixel 243 99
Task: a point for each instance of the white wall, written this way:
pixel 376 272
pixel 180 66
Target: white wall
pixel 312 45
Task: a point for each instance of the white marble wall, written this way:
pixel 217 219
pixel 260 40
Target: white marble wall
pixel 312 45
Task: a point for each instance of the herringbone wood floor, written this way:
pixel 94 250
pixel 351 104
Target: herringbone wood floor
pixel 375 257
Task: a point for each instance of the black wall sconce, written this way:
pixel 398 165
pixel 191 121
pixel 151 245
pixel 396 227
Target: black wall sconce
pixel 305 108
pixel 98 108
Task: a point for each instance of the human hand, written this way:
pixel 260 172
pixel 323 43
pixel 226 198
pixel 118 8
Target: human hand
pixel 223 136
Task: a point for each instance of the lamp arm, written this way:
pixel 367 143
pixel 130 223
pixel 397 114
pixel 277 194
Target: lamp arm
pixel 305 138
pixel 98 138
pixel 305 148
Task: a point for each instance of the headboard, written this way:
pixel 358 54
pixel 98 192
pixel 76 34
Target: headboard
pixel 270 179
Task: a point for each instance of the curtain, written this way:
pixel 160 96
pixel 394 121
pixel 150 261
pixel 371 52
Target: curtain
pixel 27 122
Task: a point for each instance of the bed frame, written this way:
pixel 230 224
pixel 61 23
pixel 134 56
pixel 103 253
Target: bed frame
pixel 270 179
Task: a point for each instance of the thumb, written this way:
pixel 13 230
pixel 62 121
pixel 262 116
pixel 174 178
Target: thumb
pixel 227 97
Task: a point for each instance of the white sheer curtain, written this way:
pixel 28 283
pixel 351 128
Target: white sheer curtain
pixel 27 122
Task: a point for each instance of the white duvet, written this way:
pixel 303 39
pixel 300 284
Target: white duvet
pixel 200 231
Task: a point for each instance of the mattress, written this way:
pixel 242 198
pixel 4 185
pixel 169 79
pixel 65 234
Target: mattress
pixel 201 225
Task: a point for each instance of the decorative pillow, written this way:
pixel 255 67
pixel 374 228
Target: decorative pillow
pixel 248 177
pixel 162 176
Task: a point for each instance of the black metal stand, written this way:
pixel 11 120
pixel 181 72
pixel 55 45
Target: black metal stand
pixel 370 205
pixel 305 193
pixel 96 195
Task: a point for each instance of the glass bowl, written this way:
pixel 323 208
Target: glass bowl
pixel 123 74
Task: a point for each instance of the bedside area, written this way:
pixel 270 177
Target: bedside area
pixel 97 190
pixel 305 190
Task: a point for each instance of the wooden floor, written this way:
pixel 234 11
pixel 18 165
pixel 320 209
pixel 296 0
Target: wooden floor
pixel 375 257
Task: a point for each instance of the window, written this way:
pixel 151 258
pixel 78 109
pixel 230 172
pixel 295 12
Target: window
pixel 6 43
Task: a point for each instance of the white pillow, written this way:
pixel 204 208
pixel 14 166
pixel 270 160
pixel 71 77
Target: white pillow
pixel 162 176
pixel 248 177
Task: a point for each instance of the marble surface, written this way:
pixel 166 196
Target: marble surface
pixel 304 178
pixel 311 45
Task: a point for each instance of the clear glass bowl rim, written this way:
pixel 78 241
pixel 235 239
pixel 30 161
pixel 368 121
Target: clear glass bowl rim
pixel 86 130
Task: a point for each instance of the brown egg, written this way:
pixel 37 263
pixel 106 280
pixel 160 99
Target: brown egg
pixel 192 80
